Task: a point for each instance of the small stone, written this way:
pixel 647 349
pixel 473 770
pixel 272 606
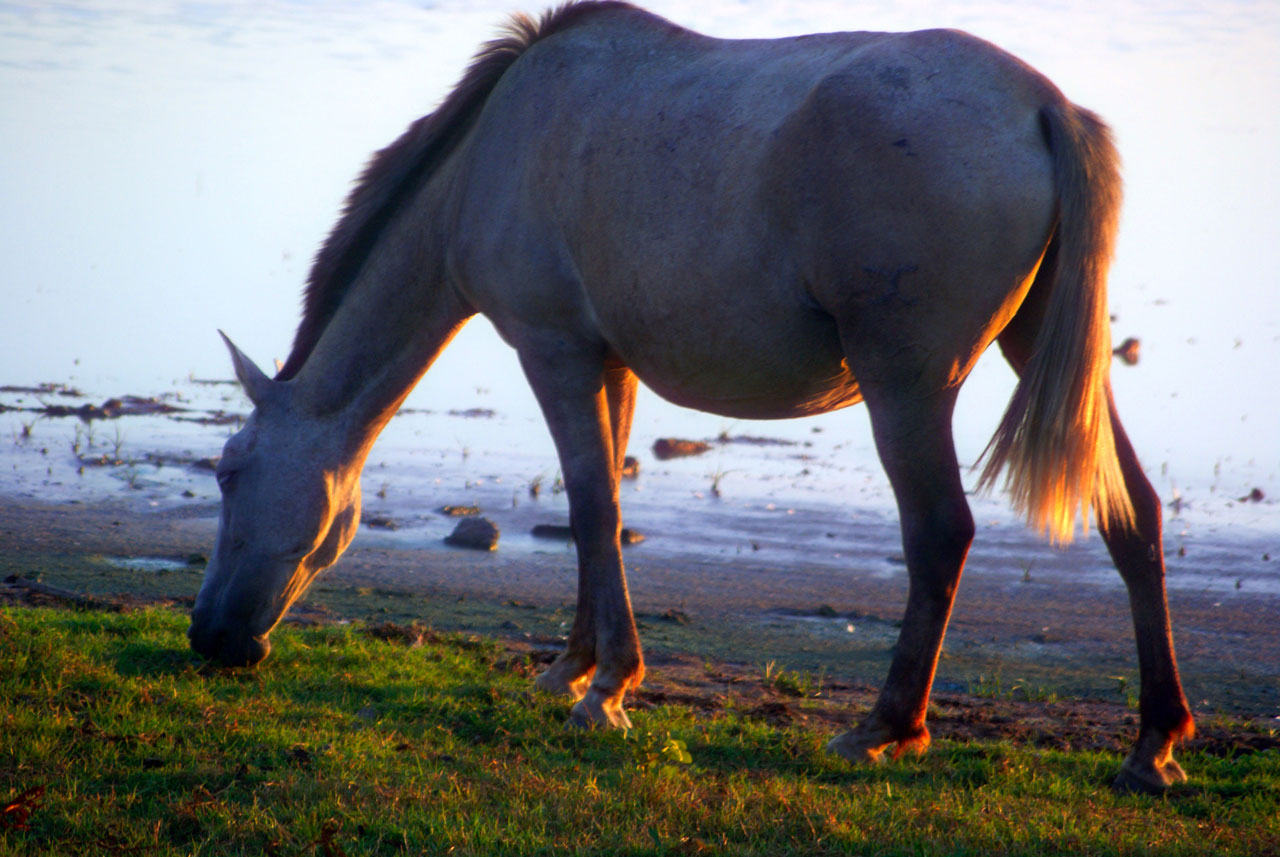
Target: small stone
pixel 560 532
pixel 552 531
pixel 671 447
pixel 630 468
pixel 459 511
pixel 474 533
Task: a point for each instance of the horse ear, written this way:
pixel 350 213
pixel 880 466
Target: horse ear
pixel 257 386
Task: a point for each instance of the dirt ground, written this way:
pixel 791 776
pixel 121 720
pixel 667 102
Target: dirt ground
pixel 1056 670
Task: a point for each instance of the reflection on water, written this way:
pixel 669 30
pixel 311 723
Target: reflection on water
pixel 169 169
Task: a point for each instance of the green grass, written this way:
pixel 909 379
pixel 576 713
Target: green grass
pixel 344 743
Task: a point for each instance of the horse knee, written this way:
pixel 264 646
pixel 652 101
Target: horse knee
pixel 956 528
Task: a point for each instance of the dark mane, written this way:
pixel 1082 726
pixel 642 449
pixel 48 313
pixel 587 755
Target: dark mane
pixel 395 172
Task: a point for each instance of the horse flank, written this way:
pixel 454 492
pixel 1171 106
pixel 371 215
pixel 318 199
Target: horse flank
pixel 1056 436
pixel 397 171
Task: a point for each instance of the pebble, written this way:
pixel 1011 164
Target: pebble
pixel 474 533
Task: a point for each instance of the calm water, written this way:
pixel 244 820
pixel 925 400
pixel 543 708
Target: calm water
pixel 167 169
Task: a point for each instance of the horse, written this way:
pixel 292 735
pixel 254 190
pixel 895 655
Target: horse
pixel 753 228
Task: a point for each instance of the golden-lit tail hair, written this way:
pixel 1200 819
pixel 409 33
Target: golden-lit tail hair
pixel 1056 438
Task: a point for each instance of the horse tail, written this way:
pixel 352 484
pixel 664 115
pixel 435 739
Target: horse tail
pixel 1056 436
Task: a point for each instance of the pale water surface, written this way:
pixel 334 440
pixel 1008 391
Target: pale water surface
pixel 167 169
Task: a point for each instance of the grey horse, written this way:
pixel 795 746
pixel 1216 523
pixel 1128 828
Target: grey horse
pixel 758 229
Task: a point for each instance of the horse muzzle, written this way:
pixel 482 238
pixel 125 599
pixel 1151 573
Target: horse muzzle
pixel 227 646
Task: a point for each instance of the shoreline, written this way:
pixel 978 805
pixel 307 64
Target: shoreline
pixel 1052 636
pixel 782 549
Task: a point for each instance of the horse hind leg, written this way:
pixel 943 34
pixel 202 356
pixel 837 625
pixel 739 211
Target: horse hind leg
pixel 588 410
pixel 1164 717
pixel 1138 554
pixel 913 438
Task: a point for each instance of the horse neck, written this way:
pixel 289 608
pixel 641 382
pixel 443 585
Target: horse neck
pixel 396 317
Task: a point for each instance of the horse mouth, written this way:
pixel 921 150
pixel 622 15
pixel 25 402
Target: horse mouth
pixel 228 648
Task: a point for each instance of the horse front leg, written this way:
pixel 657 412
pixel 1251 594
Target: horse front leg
pixel 913 438
pixel 1139 556
pixel 586 406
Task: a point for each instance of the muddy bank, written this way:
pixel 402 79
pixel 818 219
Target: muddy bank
pixel 782 549
pixel 1039 638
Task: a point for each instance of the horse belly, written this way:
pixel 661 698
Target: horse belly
pixel 744 365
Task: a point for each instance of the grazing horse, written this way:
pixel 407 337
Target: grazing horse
pixel 754 228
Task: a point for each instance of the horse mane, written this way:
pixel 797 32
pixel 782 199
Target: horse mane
pixel 394 173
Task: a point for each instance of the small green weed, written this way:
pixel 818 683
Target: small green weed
pixel 793 682
pixel 992 687
pixel 656 749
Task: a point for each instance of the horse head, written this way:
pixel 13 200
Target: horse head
pixel 290 506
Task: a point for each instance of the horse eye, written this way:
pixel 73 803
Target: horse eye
pixel 226 480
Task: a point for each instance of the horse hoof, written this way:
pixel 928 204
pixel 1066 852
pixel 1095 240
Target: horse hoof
pixel 1137 777
pixel 597 709
pixel 857 748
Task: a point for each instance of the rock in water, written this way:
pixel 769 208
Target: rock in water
pixel 563 533
pixel 475 533
pixel 459 511
pixel 674 447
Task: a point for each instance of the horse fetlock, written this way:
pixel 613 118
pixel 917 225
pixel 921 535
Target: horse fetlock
pixel 566 677
pixel 917 743
pixel 634 677
pixel 622 667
